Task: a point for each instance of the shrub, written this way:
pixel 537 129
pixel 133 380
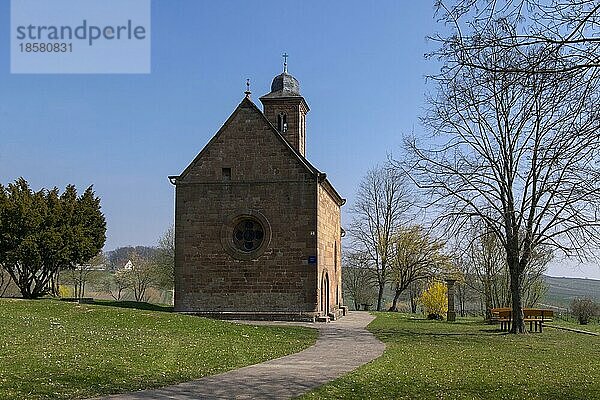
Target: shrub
pixel 64 291
pixel 435 300
pixel 584 309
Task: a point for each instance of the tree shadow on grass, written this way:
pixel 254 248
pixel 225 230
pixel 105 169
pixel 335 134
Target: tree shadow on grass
pixel 492 330
pixel 134 304
pixel 386 335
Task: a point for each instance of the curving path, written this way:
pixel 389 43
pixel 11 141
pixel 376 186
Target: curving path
pixel 342 346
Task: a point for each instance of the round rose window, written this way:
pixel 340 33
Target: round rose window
pixel 248 235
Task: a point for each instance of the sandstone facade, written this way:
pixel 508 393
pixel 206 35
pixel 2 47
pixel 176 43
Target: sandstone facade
pixel 257 227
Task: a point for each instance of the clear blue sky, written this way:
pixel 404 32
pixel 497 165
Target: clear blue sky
pixel 360 66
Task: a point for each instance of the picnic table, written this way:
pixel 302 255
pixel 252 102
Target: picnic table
pixel 535 316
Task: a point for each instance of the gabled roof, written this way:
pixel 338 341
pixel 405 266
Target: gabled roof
pixel 247 103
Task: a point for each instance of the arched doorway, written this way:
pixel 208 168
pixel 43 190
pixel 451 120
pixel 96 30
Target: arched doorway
pixel 325 294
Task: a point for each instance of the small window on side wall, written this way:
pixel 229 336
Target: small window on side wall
pixel 226 173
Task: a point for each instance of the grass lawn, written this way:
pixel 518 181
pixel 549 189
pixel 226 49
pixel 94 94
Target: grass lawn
pixel 59 350
pixel 470 360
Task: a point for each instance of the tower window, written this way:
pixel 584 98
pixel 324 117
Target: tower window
pixel 282 122
pixel 226 172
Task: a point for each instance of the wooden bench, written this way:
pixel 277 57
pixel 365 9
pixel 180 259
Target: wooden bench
pixel 503 316
pixel 535 316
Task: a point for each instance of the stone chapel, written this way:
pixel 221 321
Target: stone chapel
pixel 257 226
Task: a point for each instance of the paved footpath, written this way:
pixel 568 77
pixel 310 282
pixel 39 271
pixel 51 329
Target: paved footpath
pixel 342 346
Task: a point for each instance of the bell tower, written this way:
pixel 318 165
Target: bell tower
pixel 286 109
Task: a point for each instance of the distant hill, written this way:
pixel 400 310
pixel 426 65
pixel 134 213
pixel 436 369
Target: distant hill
pixel 562 290
pixel 117 258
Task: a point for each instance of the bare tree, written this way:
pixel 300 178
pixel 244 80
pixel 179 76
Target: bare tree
pixel 584 309
pixel 483 264
pixel 414 292
pixel 381 203
pixel 80 274
pixel 485 271
pixel 514 150
pixel 357 280
pixel 415 256
pixel 465 295
pixel 564 29
pixel 165 258
pixel 116 284
pixel 144 274
pixel 534 287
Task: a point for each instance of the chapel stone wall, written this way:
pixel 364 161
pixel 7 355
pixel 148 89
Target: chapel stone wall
pixel 246 170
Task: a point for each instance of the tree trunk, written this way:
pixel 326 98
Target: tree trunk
pixel 4 287
pixel 394 306
pixel 488 310
pixel 488 299
pixel 380 296
pixel 54 285
pixel 518 325
pixel 413 303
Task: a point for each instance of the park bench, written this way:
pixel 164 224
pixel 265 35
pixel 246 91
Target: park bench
pixel 503 316
pixel 535 316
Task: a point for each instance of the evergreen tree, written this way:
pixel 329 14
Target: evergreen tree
pixel 43 232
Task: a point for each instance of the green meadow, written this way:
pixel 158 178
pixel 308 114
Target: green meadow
pixel 58 350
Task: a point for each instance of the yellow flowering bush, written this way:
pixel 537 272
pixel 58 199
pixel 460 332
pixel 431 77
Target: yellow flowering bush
pixel 64 291
pixel 435 300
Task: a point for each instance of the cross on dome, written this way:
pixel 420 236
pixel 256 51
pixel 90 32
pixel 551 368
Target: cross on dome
pixel 285 57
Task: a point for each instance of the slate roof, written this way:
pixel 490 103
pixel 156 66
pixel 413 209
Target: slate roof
pixel 284 85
